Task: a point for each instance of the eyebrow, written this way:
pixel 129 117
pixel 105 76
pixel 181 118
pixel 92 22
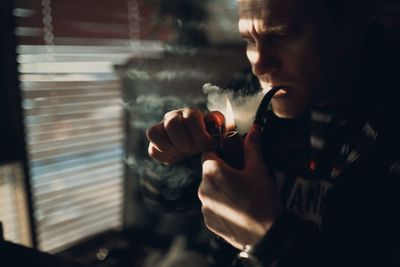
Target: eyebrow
pixel 276 29
pixel 252 5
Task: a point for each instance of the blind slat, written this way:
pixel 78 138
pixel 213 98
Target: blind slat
pixel 57 185
pixel 43 168
pixel 73 233
pixel 72 132
pixel 105 113
pixel 42 128
pixel 71 108
pixel 63 152
pixel 79 213
pixel 74 194
pixel 113 193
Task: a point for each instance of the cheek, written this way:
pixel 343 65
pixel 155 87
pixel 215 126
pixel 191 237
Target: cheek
pixel 302 63
pixel 252 55
pixel 302 67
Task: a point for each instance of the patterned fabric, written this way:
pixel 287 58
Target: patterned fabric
pixel 311 151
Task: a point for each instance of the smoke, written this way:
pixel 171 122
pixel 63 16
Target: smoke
pixel 149 109
pixel 146 110
pixel 244 105
pixel 168 75
pixel 168 181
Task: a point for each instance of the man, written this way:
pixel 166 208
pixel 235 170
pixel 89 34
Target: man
pixel 319 183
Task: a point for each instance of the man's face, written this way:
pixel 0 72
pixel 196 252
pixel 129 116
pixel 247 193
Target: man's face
pixel 289 45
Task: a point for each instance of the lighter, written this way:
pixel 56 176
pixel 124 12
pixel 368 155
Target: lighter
pixel 227 142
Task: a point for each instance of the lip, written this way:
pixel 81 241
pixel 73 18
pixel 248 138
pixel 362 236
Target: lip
pixel 282 92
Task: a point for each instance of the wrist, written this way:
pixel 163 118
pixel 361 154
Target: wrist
pixel 265 226
pixel 257 254
pixel 247 258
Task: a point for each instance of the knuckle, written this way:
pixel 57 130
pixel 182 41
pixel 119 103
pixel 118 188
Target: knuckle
pixel 159 156
pixel 192 114
pixel 207 176
pixel 153 132
pixel 153 152
pixel 210 169
pixel 171 123
pixel 172 113
pixel 194 119
pixel 205 211
pixel 201 193
pixel 169 114
pixel 208 221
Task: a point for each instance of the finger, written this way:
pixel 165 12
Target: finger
pixel 195 125
pixel 210 156
pixel 211 167
pixel 214 121
pixel 177 132
pixel 252 147
pixel 165 158
pixel 217 117
pixel 160 139
pixel 215 170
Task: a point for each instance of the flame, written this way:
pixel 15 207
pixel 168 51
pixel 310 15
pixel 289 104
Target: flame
pixel 229 116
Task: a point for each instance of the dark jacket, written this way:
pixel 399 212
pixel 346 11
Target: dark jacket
pixel 360 219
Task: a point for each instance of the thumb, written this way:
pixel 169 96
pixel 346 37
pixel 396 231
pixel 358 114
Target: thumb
pixel 212 163
pixel 209 155
pixel 252 146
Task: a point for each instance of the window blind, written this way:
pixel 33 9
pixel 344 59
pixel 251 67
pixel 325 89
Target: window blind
pixel 73 117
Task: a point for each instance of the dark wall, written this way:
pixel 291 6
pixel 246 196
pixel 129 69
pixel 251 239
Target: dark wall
pixel 12 144
pixel 11 137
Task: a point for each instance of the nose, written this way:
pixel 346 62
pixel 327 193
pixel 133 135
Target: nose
pixel 263 60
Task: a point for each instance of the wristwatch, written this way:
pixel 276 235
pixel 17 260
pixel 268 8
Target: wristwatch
pixel 245 258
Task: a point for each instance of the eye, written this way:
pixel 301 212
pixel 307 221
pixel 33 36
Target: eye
pixel 275 40
pixel 279 37
pixel 286 35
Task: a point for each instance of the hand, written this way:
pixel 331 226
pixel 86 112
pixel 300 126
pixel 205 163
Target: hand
pixel 182 133
pixel 239 205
